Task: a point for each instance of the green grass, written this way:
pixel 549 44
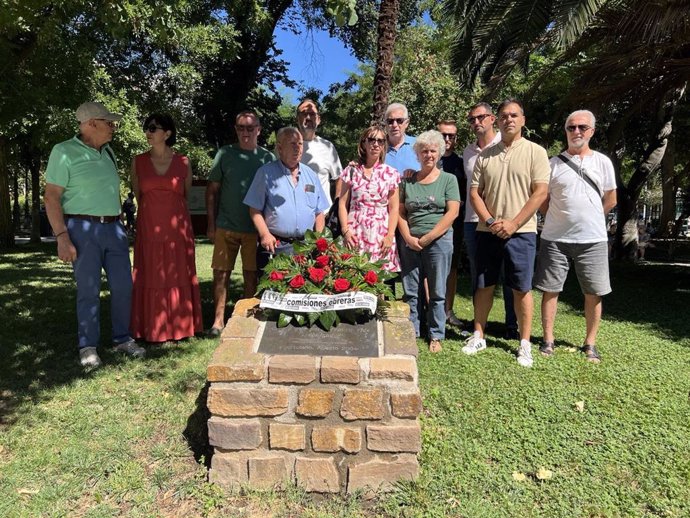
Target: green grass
pixel 129 439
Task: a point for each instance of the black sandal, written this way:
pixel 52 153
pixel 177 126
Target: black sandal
pixel 547 349
pixel 591 353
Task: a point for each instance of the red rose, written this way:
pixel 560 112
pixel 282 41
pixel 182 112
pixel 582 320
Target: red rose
pixel 316 274
pixel 345 257
pixel 371 278
pixel 276 276
pixel 321 244
pixel 322 260
pixel 341 285
pixel 299 259
pixel 297 282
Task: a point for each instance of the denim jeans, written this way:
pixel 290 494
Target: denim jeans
pixel 101 246
pixel 471 245
pixel 432 262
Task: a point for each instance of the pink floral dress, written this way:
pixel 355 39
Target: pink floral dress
pixel 368 215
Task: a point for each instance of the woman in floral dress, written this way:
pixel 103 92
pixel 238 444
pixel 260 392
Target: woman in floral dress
pixel 370 218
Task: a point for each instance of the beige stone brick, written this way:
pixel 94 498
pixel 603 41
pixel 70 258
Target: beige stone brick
pixel 292 369
pixel 287 436
pixel 397 309
pixel 268 472
pixel 233 360
pixel 245 307
pixel 403 369
pixel 339 369
pixel 317 475
pixel 244 402
pixel 394 438
pixel 315 402
pixel 406 405
pixel 399 337
pixel 380 475
pixel 362 404
pixel 333 439
pixel 228 470
pixel 241 327
pixel 234 434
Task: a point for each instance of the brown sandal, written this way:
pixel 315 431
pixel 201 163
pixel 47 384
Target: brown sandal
pixel 547 349
pixel 591 353
pixel 435 345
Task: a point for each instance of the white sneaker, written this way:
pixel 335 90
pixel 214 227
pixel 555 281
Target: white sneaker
pixel 453 320
pixel 130 348
pixel 524 356
pixel 88 357
pixel 474 344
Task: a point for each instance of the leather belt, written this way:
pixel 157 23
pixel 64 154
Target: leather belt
pixel 288 239
pixel 94 219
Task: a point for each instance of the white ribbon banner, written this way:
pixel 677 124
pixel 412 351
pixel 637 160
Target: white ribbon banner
pixel 313 303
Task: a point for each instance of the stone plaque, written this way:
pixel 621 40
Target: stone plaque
pixel 360 340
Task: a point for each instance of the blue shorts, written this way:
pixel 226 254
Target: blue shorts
pixel 515 255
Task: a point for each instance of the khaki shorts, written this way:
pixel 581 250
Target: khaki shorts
pixel 226 246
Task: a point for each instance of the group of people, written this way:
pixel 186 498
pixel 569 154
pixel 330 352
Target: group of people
pixel 400 201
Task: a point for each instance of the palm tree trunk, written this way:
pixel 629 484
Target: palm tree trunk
pixel 668 190
pixel 383 77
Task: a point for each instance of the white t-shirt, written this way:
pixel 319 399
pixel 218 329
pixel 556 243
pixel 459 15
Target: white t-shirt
pixel 321 156
pixel 576 212
pixel 469 157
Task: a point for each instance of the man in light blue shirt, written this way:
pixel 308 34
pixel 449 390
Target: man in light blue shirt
pixel 285 199
pixel 400 154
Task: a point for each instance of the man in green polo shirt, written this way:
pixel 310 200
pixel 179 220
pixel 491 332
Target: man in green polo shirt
pixel 82 199
pixel 229 225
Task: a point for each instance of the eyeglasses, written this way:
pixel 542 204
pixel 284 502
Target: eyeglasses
pixel 374 140
pixel 247 129
pixel 152 128
pixel 478 118
pixel 449 136
pixel 581 127
pixel 399 121
pixel 109 123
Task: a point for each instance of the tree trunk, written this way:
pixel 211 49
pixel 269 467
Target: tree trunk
pixel 668 190
pixel 6 230
pixel 35 166
pixel 16 210
pixel 625 246
pixel 383 77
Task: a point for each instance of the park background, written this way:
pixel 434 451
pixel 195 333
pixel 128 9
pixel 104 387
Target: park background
pixel 564 439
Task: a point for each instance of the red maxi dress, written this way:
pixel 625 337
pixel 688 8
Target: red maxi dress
pixel 166 304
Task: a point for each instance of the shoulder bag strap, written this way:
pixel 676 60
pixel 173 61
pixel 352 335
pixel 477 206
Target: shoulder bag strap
pixel 581 173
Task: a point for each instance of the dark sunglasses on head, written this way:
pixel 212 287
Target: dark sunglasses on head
pixel 399 121
pixel 449 136
pixel 151 128
pixel 478 118
pixel 374 140
pixel 581 127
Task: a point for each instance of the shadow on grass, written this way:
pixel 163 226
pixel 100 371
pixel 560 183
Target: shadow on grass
pixel 196 431
pixel 38 335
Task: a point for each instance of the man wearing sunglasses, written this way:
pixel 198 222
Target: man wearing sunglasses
pixel 229 225
pixel 400 154
pixel 319 154
pixel 82 199
pixel 509 184
pixel 481 120
pixel 582 191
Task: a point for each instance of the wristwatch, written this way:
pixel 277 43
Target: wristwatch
pixel 490 222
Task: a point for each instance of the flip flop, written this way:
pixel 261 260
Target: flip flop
pixel 435 345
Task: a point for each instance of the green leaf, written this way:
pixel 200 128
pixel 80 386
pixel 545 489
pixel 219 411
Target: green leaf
pixel 327 319
pixel 348 315
pixel 312 318
pixel 300 319
pixel 284 319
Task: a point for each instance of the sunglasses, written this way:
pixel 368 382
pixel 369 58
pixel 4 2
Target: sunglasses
pixel 449 136
pixel 247 129
pixel 581 127
pixel 399 121
pixel 111 124
pixel 374 140
pixel 478 118
pixel 152 128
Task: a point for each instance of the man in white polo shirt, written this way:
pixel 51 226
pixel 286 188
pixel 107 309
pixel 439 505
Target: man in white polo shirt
pixel 582 191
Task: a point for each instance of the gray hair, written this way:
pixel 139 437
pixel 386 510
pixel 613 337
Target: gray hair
pixel 430 138
pixel 587 113
pixel 284 132
pixel 395 107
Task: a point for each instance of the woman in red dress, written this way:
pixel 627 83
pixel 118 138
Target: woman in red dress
pixel 166 304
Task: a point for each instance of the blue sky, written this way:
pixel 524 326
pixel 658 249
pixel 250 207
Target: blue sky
pixel 316 59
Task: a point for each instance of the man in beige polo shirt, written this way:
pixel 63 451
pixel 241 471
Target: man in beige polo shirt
pixel 509 183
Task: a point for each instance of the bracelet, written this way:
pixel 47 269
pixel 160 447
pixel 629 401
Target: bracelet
pixel 58 235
